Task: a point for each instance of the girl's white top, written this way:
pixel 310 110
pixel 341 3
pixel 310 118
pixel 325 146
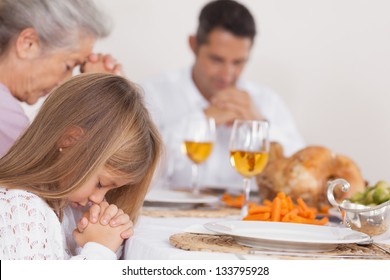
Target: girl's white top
pixel 30 230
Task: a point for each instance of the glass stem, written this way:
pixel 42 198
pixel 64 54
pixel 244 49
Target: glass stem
pixel 247 189
pixel 195 184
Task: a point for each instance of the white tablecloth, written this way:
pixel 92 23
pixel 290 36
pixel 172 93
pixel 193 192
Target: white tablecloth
pixel 151 241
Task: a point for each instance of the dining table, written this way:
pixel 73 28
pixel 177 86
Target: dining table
pixel 151 241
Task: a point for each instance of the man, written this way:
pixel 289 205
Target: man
pixel 212 86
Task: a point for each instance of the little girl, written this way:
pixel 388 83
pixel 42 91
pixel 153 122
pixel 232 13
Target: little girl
pixel 93 140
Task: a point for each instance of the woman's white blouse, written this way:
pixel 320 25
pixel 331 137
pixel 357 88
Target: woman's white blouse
pixel 30 230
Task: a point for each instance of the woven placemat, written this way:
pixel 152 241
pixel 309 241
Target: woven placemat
pixel 227 244
pixel 219 212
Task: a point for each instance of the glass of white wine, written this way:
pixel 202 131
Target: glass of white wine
pixel 249 147
pixel 198 144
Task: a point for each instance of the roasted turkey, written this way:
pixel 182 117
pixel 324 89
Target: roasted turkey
pixel 306 173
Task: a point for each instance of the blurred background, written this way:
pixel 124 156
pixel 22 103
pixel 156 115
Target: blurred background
pixel 328 59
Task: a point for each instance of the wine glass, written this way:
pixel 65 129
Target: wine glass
pixel 170 156
pixel 249 146
pixel 198 143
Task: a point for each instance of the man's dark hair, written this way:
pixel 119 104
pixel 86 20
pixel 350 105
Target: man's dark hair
pixel 228 15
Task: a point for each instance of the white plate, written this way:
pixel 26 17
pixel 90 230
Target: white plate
pixel 287 236
pixel 178 197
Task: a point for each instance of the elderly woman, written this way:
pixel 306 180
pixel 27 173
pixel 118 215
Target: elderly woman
pixel 41 42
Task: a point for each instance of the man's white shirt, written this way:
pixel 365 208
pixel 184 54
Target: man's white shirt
pixel 173 97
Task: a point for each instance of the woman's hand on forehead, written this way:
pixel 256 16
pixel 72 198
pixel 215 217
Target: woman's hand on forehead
pixel 101 63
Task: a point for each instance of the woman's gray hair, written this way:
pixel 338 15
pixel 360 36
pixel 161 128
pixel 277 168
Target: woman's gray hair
pixel 59 23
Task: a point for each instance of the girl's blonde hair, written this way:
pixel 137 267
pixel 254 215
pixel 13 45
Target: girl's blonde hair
pixel 118 134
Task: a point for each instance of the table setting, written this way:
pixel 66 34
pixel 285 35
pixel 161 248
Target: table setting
pixel 329 221
pixel 290 240
pixel 194 238
pixel 183 203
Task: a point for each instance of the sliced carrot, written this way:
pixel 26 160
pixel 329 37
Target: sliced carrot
pixel 259 209
pixel 290 203
pixel 258 217
pixel 324 209
pixel 302 204
pixel 281 195
pixel 288 216
pixel 267 202
pixel 233 201
pixel 276 207
pixel 281 209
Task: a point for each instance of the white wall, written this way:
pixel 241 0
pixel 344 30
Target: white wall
pixel 328 59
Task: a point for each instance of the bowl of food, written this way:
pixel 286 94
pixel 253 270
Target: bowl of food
pixel 372 219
